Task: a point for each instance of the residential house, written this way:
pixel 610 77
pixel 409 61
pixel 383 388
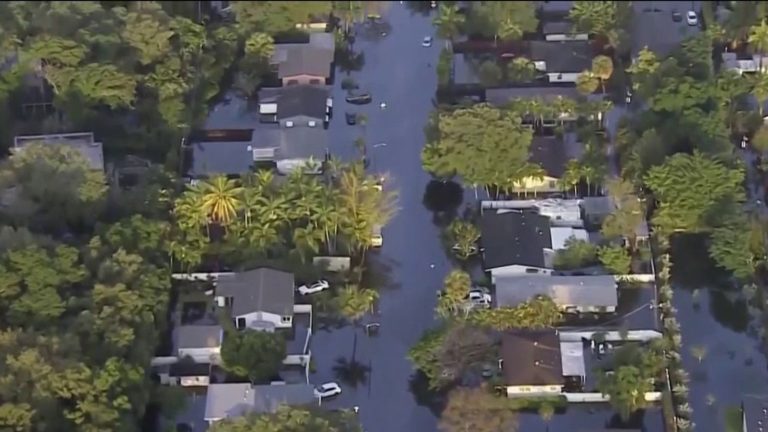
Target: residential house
pixel 201 343
pixel 515 242
pixel 745 64
pixel 562 97
pixel 305 63
pixel 83 142
pixel 562 61
pixel 296 106
pixel 224 401
pixel 572 294
pixel 562 31
pixel 596 209
pixel 531 363
pixel 561 212
pixel 260 299
pixel 552 155
pixel 562 234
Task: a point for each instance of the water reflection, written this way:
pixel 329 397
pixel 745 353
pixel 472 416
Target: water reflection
pixel 443 199
pixel 418 384
pixel 352 372
pixel 729 311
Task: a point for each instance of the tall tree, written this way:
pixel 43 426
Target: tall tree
pixel 221 199
pixel 731 249
pixel 254 354
pixel 758 38
pixel 463 236
pixel 587 82
pixel 691 189
pixel 602 67
pixel 147 30
pixel 277 16
pixel 596 17
pixel 626 387
pixel 292 419
pixel 476 409
pixel 627 215
pixel 615 259
pixel 448 22
pixel 453 298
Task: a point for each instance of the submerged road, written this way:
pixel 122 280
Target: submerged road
pixel 411 264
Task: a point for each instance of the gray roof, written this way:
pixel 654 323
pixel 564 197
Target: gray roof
pixel 550 154
pixel 199 336
pixel 598 206
pixel 514 237
pixel 303 143
pixel 238 399
pixel 531 357
pixel 313 58
pixel 221 158
pixel 588 291
pixel 259 290
pixel 558 27
pixel 83 142
pixel 568 56
pixel 502 96
pixel 298 100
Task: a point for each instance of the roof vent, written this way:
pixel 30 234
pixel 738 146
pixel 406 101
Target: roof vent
pixel 312 123
pixel 288 124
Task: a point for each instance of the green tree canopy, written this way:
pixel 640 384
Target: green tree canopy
pixel 463 237
pixel 292 419
pixel 453 298
pixel 253 354
pixel 615 258
pixel 478 410
pixel 539 312
pixel 577 254
pixel 596 17
pixel 691 190
pixel 732 248
pixel 506 20
pixel 277 16
pixel 484 145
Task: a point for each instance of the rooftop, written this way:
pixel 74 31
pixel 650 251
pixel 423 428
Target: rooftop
pixel 514 238
pixel 573 359
pixel 531 357
pixel 83 142
pixel 558 27
pixel 259 290
pixel 563 290
pixel 297 100
pixel 565 57
pixel 237 399
pixel 502 96
pixel 313 58
pixel 199 336
pixel 561 234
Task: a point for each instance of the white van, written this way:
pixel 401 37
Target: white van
pixel 376 238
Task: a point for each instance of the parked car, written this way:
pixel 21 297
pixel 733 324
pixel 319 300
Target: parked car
pixel 692 18
pixel 427 42
pixel 479 297
pixel 351 118
pixel 327 390
pixel 314 288
pixel 358 97
pixel 676 16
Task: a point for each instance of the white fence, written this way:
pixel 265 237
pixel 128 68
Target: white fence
pixel 200 276
pixel 600 398
pixel 610 336
pixel 643 277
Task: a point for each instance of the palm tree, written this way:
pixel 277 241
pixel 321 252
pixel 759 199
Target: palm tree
pixel 189 210
pixel 587 83
pixel 602 68
pixel 221 199
pixel 448 22
pixel 758 38
pixel 353 303
pixel 760 89
pixel 352 373
pixel 572 175
pixel 452 300
pixel 328 218
pixel 307 238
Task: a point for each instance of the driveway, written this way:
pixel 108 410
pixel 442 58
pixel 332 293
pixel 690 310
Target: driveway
pixel 400 72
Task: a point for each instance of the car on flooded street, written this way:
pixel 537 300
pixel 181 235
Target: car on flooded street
pixel 358 97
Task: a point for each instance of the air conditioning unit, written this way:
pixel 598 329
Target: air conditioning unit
pixel 289 124
pixel 312 123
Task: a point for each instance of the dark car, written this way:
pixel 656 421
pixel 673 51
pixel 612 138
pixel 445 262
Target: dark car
pixel 358 97
pixel 351 118
pixel 676 16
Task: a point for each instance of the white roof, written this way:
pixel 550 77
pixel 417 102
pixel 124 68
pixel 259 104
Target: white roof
pixel 565 291
pixel 554 208
pixel 561 234
pixel 573 359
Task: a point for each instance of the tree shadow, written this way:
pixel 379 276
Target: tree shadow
pixel 373 30
pixel 348 60
pixel 419 7
pixel 424 396
pixel 351 372
pixel 443 199
pixel 635 421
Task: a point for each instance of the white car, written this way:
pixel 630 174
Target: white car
pixel 327 390
pixel 427 42
pixel 479 297
pixel 691 18
pixel 314 288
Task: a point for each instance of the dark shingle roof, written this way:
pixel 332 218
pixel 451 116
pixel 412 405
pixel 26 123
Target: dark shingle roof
pixel 305 60
pixel 238 399
pixel 303 142
pixel 550 154
pixel 259 290
pixel 531 357
pixel 199 336
pixel 514 237
pixel 570 56
pixel 299 100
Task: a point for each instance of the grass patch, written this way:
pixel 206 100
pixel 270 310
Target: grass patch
pixel 534 403
pixel 733 420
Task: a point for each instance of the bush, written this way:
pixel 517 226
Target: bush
pixel 489 73
pixel 577 254
pixel 615 258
